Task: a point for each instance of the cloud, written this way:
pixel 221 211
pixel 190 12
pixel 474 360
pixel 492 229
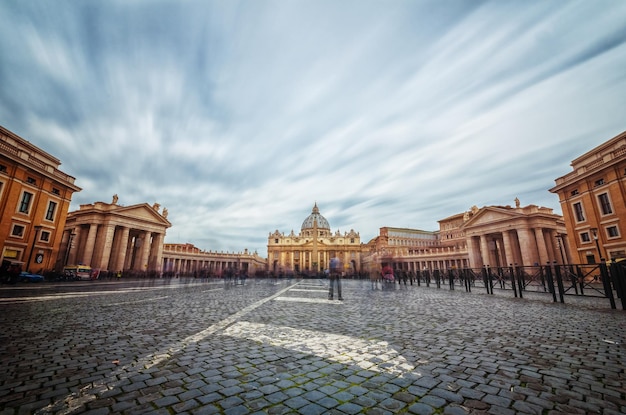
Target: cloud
pixel 239 116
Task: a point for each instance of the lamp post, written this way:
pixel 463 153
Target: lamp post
pixel 32 248
pixel 559 242
pixel 69 247
pixel 594 233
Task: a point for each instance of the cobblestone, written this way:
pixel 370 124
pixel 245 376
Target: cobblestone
pixel 197 347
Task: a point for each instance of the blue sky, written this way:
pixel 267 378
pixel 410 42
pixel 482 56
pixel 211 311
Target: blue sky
pixel 238 116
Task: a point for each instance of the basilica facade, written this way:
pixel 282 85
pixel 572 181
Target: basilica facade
pixel 310 250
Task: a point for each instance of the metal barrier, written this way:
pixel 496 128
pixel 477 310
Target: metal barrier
pixel 557 280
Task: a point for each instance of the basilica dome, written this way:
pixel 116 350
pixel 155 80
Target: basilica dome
pixel 315 215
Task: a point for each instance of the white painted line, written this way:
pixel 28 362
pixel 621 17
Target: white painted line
pixel 308 300
pixel 374 355
pixel 74 401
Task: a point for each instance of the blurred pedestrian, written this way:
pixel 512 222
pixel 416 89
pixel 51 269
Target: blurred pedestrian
pixel 335 278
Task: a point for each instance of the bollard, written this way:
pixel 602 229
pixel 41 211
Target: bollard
pixel 520 280
pixel 618 275
pixel 512 280
pixel 606 282
pixel 559 282
pixel 550 281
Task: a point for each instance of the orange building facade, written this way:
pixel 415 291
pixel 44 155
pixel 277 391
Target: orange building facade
pixel 593 200
pixel 35 197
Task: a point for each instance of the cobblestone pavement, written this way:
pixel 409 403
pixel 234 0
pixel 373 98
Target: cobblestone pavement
pixel 191 347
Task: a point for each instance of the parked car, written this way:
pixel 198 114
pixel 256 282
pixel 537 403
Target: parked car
pixel 28 277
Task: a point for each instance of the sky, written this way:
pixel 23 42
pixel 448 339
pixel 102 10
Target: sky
pixel 239 116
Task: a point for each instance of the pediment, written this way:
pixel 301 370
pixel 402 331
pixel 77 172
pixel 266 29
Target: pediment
pixel 490 215
pixel 143 212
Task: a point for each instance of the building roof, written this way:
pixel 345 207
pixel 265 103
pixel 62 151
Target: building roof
pixel 315 215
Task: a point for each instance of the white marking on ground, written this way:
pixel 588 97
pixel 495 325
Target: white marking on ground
pixel 307 300
pixel 373 355
pixel 76 400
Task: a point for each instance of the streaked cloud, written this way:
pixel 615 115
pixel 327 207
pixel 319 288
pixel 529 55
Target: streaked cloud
pixel 238 116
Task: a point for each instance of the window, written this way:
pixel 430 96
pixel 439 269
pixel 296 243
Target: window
pixel 585 237
pixel 351 240
pixel 52 207
pixel 45 236
pixel 3 168
pixel 599 182
pixel 605 204
pixel 578 212
pixel 574 192
pixel 276 240
pixel 56 191
pixel 25 203
pixel 612 231
pixel 18 231
pixel 30 180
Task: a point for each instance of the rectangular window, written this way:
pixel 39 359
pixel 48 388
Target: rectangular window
pixel 578 212
pixel 18 231
pixel 25 203
pixel 56 191
pixel 605 204
pixel 30 180
pixel 599 182
pixel 585 237
pixel 612 231
pixel 574 192
pixel 45 236
pixel 52 207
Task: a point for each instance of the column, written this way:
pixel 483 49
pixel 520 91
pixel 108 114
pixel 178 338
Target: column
pixel 541 246
pixel 157 243
pixel 484 250
pixel 89 244
pixel 509 254
pixel 473 253
pixel 528 247
pixel 120 255
pixel 145 253
pixel 105 249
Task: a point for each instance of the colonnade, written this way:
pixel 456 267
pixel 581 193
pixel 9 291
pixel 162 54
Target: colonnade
pixel 114 247
pixel 521 246
pixel 186 266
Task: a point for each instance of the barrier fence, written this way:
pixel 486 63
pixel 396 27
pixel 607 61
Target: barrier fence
pixel 559 281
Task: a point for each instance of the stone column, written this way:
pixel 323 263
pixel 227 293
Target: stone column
pixel 541 246
pixel 484 250
pixel 528 247
pixel 145 251
pixel 89 245
pixel 157 243
pixel 474 253
pixel 120 255
pixel 509 254
pixel 107 244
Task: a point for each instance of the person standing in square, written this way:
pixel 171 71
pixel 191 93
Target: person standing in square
pixel 335 277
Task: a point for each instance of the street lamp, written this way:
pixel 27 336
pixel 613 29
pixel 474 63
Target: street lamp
pixel 559 242
pixel 32 248
pixel 69 246
pixel 594 233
